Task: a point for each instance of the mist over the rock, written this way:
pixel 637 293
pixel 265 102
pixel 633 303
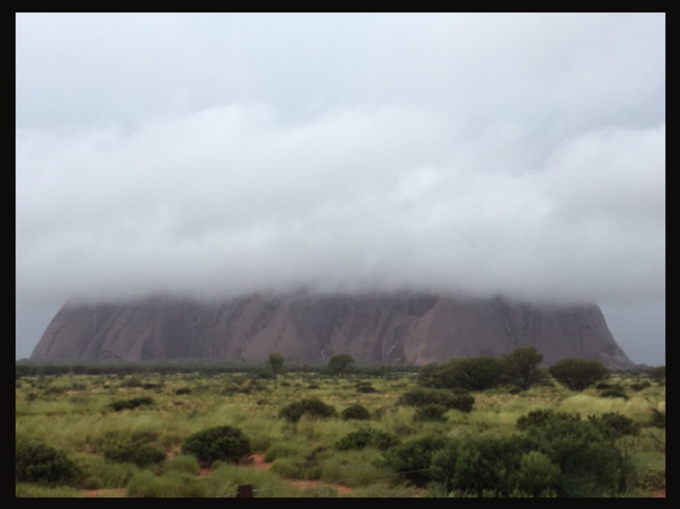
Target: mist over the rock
pixel 481 155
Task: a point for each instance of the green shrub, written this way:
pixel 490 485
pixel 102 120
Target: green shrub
pixel 639 386
pixel 431 412
pixel 537 475
pixel 413 458
pixel 474 373
pixel 312 407
pixel 590 462
pixel 265 374
pixel 578 374
pixel 224 443
pixel 356 412
pixel 37 462
pixel 558 454
pixel 614 392
pixel 127 404
pixel 458 399
pixel 521 367
pixel 367 437
pixel 540 417
pixel 489 463
pixel 615 425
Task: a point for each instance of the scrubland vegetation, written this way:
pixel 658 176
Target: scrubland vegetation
pixel 467 428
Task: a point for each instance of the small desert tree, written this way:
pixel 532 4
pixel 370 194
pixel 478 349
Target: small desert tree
pixel 521 367
pixel 339 364
pixel 578 374
pixel 473 373
pixel 275 363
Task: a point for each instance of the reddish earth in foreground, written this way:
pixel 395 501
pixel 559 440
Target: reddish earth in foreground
pixel 255 461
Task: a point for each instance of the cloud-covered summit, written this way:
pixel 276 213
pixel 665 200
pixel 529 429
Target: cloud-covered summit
pixel 204 155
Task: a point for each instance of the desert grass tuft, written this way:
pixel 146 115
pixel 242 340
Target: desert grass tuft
pixel 225 479
pixel 183 463
pixel 23 490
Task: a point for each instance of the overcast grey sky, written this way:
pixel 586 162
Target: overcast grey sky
pixel 211 154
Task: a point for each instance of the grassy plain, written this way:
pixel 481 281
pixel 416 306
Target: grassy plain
pixel 73 414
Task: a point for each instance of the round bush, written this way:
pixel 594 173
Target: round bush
pixel 356 412
pixel 431 412
pixel 312 407
pixel 225 443
pixel 37 462
pixel 578 374
pixel 367 437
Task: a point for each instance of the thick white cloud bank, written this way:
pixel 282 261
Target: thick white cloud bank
pixel 216 155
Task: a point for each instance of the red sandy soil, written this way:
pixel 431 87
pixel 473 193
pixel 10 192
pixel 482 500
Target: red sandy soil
pixel 256 461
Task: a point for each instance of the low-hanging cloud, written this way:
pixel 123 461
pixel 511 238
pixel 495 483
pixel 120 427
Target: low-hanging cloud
pixel 216 155
pixel 231 199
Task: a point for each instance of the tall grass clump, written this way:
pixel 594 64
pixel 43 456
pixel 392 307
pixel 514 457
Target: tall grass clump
pixel 24 490
pixel 354 468
pixel 171 485
pixel 284 449
pixel 134 450
pixel 225 479
pixel 182 463
pixel 100 473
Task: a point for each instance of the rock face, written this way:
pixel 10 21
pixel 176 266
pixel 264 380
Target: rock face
pixel 401 328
